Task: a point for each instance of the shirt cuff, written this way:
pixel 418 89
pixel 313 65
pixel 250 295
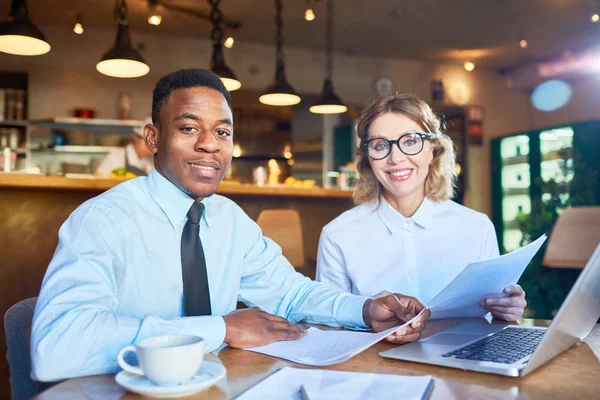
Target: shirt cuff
pixel 209 328
pixel 350 311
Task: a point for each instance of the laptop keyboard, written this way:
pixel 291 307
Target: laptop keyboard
pixel 505 346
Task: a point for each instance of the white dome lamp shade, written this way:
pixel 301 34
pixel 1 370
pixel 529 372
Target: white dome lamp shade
pixel 123 61
pixel 19 36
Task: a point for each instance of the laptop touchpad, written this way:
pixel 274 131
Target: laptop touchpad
pixel 450 339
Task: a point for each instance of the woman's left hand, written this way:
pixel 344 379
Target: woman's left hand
pixel 509 308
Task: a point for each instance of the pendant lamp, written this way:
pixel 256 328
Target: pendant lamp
pixel 217 62
pixel 19 36
pixel 280 92
pixel 122 61
pixel 328 102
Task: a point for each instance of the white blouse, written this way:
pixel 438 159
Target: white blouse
pixel 369 249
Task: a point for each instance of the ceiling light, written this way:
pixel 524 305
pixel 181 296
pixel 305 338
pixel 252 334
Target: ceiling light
pixel 19 36
pixel 469 66
pixel 229 42
pixel 78 28
pixel 523 43
pixel 217 62
pixel 309 15
pixel 122 61
pixel 595 18
pixel 154 18
pixel 328 102
pixel 280 92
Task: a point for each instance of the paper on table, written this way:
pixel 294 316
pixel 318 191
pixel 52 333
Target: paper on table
pixel 320 348
pixel 332 385
pixel 481 279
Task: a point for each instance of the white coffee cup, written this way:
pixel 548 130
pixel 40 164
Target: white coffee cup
pixel 165 360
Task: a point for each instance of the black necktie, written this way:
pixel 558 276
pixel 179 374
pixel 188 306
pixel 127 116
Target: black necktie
pixel 196 294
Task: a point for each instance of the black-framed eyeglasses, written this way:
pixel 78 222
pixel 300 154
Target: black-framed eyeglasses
pixel 410 143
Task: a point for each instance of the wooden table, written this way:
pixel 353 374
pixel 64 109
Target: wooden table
pixel 575 374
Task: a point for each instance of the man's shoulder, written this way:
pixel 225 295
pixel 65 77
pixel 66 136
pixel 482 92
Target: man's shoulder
pixel 122 198
pixel 351 219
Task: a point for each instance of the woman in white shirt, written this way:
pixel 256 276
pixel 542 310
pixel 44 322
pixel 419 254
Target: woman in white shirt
pixel 405 235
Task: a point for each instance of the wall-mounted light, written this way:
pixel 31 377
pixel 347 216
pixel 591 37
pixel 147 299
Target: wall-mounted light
pixel 469 66
pixel 19 36
pixel 229 42
pixel 78 28
pixel 122 61
pixel 237 150
pixel 154 18
pixel 280 92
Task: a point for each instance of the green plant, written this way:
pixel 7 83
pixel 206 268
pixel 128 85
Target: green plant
pixel 547 288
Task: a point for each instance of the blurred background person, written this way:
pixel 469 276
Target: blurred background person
pixel 134 157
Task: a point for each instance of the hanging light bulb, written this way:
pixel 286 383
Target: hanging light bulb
pixel 328 102
pixel 280 92
pixel 154 18
pixel 78 28
pixel 523 43
pixel 309 15
pixel 19 36
pixel 469 66
pixel 122 61
pixel 229 42
pixel 595 18
pixel 217 62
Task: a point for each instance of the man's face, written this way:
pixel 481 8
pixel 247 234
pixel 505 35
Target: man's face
pixel 193 144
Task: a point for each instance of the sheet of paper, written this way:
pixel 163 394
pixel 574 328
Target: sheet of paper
pixel 320 347
pixel 481 279
pixel 333 385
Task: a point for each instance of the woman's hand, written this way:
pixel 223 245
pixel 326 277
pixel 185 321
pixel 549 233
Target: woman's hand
pixel 508 308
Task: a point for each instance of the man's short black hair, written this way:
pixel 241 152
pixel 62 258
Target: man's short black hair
pixel 184 79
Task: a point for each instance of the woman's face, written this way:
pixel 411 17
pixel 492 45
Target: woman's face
pixel 399 174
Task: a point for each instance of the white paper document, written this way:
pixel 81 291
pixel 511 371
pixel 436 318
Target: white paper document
pixel 481 279
pixel 320 347
pixel 333 385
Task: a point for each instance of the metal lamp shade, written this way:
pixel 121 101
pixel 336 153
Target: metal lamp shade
pixel 19 36
pixel 123 61
pixel 328 102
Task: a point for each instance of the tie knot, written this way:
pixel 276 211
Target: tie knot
pixel 195 213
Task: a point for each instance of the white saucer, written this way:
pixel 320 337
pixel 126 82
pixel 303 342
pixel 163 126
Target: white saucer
pixel 208 374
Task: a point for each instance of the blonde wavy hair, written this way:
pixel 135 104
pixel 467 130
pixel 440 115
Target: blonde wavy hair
pixel 440 181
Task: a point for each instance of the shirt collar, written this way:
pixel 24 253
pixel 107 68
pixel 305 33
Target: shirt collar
pixel 174 202
pixel 393 220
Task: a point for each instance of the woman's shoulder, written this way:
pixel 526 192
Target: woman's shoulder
pixel 351 219
pixel 452 210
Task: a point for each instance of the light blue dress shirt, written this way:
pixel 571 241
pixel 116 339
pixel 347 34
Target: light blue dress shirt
pixel 372 248
pixel 115 279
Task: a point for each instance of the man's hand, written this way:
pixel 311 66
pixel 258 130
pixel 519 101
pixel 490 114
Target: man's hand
pixel 509 308
pixel 385 312
pixel 253 327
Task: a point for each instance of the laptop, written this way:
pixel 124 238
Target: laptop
pixel 513 350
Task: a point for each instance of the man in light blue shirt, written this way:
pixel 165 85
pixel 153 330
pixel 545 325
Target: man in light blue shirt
pixel 116 276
